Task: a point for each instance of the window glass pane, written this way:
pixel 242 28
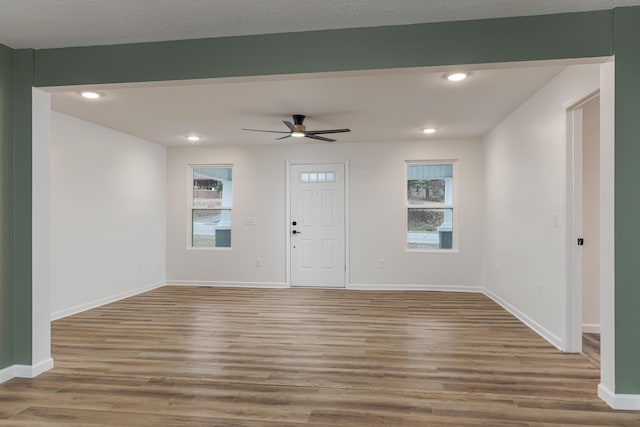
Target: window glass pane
pixel 427 183
pixel 211 228
pixel 430 228
pixel 317 177
pixel 211 187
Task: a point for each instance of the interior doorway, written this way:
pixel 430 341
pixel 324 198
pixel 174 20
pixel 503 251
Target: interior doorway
pixel 584 234
pixel 591 227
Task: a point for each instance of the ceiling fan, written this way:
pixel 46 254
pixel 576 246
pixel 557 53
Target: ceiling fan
pixel 297 129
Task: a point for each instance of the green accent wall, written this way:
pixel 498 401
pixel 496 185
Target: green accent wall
pixel 6 207
pixel 22 206
pixel 627 200
pixel 574 35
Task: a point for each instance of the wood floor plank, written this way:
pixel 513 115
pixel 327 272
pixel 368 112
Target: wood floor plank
pixel 197 356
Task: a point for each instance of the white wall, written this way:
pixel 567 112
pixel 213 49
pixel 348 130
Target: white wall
pixel 607 386
pixel 40 249
pixel 108 215
pixel 591 216
pixel 376 214
pixel 526 203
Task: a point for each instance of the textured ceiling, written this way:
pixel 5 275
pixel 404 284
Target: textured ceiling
pixel 58 23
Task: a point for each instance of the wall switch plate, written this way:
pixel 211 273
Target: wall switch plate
pixel 258 262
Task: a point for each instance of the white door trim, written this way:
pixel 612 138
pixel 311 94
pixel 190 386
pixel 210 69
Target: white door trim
pixel 607 232
pixel 287 226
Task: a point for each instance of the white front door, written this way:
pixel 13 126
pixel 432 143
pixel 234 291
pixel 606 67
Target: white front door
pixel 317 225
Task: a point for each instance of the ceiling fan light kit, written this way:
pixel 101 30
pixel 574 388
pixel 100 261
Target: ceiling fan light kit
pixel 297 129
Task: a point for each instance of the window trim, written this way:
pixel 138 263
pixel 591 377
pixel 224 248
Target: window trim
pixel 190 206
pixel 432 205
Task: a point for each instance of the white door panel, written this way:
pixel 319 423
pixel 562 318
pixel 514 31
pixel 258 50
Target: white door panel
pixel 317 213
pixel 328 258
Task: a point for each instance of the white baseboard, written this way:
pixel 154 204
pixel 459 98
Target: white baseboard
pixel 102 301
pixel 270 285
pixel 626 402
pixel 31 371
pixel 590 328
pixel 413 287
pixel 43 366
pixel 25 371
pixel 532 324
pixel 7 373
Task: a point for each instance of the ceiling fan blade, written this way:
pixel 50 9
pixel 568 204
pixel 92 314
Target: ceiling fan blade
pixel 283 137
pixel 317 132
pixel 289 125
pixel 320 138
pixel 261 130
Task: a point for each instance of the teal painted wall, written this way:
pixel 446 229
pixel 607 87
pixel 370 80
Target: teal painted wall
pixel 6 207
pixel 627 200
pixel 22 206
pixel 575 35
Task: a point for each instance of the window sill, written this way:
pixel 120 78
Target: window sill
pixel 191 248
pixel 432 251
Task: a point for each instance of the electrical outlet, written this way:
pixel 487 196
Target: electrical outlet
pixel 381 263
pixel 258 262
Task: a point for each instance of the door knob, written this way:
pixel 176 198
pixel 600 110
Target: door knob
pixel 296 232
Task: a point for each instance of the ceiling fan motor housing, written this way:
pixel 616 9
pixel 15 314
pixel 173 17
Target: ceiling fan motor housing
pixel 297 123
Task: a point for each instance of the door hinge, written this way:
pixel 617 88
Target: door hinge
pixel 580 241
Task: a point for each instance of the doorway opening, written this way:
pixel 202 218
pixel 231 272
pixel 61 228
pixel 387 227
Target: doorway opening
pixel 584 234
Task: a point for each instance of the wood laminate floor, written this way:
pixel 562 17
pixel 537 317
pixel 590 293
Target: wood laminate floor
pixel 591 347
pixel 182 356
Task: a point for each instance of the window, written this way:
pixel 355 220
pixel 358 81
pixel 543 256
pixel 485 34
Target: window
pixel 429 206
pixel 210 206
pixel 317 177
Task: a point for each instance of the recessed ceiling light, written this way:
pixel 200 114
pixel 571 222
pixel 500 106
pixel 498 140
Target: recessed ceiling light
pixel 456 76
pixel 193 138
pixel 91 94
pixel 429 130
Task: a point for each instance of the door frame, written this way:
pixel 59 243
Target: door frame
pixel 575 229
pixel 287 225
